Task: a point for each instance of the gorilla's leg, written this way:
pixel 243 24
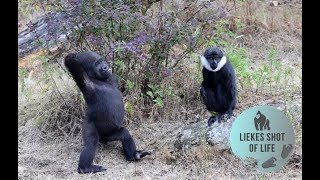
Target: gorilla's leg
pixel 128 144
pixel 256 124
pixel 103 140
pixel 91 138
pixel 267 124
pixel 261 126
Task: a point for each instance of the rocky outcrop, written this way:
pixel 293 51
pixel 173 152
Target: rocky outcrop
pixel 199 134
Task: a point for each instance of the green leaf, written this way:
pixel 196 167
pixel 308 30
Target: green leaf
pixel 150 94
pixel 159 102
pixel 151 86
pixel 130 84
pixel 159 92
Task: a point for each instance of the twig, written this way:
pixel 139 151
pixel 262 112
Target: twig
pixel 144 173
pixel 194 14
pixel 224 6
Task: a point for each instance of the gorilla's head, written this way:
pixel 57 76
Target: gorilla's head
pixel 258 115
pixel 213 59
pixel 95 65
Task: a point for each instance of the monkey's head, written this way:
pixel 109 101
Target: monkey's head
pixel 213 59
pixel 95 65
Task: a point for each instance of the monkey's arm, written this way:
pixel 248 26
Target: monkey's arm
pixel 231 97
pixel 208 98
pixel 227 94
pixel 75 68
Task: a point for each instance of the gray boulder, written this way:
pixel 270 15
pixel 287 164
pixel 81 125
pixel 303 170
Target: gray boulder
pixel 199 134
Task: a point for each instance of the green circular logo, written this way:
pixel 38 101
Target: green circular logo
pixel 264 135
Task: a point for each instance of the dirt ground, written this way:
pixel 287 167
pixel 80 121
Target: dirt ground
pixel 58 160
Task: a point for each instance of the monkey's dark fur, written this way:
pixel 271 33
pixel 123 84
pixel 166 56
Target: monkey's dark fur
pixel 218 89
pixel 105 109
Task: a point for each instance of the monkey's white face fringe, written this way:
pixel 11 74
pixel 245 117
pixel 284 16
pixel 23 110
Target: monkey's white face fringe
pixel 206 64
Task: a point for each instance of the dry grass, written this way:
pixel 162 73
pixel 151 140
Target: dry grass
pixel 51 105
pixel 51 111
pixel 268 27
pixel 59 160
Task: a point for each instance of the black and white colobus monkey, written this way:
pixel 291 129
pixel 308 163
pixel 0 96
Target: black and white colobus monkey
pixel 218 88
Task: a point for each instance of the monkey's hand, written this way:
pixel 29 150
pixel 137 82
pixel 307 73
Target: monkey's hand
pixel 213 119
pixel 226 116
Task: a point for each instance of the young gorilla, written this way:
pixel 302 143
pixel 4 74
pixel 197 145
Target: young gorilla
pixel 105 110
pixel 218 89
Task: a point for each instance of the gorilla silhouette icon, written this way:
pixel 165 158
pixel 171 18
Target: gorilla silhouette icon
pixel 261 122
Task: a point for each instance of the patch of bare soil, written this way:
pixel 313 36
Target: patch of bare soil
pixel 58 160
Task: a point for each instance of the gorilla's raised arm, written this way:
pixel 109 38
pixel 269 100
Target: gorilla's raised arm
pixel 76 69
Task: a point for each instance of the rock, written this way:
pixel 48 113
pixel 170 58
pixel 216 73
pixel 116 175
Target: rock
pixel 274 3
pixel 218 135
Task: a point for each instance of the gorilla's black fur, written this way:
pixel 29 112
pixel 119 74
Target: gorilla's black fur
pixel 105 109
pixel 218 89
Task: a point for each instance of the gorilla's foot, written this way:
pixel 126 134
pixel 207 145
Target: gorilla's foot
pixel 138 155
pixel 91 169
pixel 141 154
pixel 269 163
pixel 286 150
